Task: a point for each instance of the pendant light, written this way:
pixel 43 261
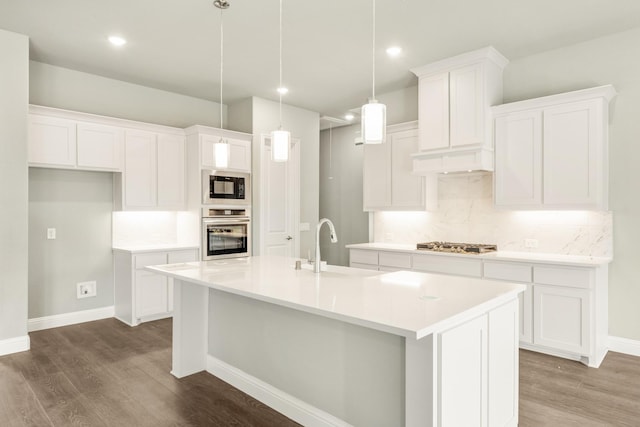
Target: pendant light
pixel 221 148
pixel 280 139
pixel 374 114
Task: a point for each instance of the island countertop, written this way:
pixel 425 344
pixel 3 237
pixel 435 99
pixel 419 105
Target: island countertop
pixel 409 304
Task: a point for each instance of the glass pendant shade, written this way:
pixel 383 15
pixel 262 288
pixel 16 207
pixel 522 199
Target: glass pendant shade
pixel 221 154
pixel 374 122
pixel 280 140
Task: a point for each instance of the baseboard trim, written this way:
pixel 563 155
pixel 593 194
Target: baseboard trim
pixel 624 345
pixel 15 345
pixel 65 319
pixel 277 399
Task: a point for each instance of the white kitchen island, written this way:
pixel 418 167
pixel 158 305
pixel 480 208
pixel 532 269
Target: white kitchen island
pixel 350 346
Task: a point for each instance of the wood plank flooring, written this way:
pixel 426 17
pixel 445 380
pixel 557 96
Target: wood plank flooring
pixel 105 373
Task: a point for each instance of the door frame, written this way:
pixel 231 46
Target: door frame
pixel 265 156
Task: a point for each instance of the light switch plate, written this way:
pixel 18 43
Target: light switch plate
pixel 51 233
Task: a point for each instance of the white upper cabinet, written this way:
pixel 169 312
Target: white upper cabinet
pixel 154 173
pixel 454 100
pixel 552 152
pixel 433 95
pixel 388 183
pixel 52 141
pixel 99 146
pixel 171 171
pixel 58 140
pixel 239 153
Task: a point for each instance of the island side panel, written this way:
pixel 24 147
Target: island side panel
pixel 190 320
pixel 354 373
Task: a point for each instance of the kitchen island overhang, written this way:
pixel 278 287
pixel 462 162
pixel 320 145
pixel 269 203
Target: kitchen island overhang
pixel 449 331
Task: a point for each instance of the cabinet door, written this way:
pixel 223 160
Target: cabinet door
pixel 433 112
pixel 525 300
pixel 573 154
pixel 151 294
pixel 503 365
pixel 100 146
pixel 561 318
pixel 52 141
pixel 466 105
pixel 171 171
pixel 376 176
pixel 518 171
pixel 462 367
pixel 407 190
pixel 207 151
pixel 140 169
pixel 239 155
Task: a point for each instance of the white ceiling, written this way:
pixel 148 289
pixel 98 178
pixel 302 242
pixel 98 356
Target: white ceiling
pixel 174 44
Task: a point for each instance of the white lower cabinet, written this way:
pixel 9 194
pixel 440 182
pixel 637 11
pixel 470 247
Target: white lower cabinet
pixel 463 374
pixel 141 295
pixel 563 311
pixel 479 371
pixel 561 318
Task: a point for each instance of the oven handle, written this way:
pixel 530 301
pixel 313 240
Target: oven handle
pixel 226 221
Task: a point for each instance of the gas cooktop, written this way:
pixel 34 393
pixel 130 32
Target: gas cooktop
pixel 461 248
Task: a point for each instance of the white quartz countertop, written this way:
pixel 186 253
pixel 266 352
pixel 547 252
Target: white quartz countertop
pixel 532 257
pixel 152 248
pixel 404 303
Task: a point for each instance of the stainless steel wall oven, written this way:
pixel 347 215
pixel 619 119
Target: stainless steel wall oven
pixel 226 233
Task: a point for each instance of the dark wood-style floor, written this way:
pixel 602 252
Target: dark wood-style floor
pixel 105 373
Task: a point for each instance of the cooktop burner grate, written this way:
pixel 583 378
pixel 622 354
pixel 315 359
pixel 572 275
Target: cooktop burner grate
pixel 462 248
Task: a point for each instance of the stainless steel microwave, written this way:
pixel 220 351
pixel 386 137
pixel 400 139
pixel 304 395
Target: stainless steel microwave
pixel 226 188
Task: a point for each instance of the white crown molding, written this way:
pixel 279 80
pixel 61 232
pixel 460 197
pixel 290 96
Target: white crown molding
pixel 65 319
pixel 102 120
pixel 277 399
pixel 488 53
pixel 607 92
pixel 15 345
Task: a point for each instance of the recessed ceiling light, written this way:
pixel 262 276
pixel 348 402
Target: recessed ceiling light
pixel 283 90
pixel 117 40
pixel 394 51
pixel 349 117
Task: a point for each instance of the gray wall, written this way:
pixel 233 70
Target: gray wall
pixel 341 193
pixel 305 126
pixel 14 90
pixel 78 204
pixel 74 90
pixel 608 60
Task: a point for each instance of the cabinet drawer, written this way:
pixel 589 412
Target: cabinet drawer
pixel 507 271
pixel 448 265
pixel 394 259
pixel 363 256
pixel 156 258
pixel 182 256
pixel 563 276
pixel 363 266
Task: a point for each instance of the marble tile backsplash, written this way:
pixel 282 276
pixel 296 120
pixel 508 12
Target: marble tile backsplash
pixel 466 214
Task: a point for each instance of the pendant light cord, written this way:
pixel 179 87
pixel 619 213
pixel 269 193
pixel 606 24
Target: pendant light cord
pixel 221 65
pixel 280 87
pixel 373 55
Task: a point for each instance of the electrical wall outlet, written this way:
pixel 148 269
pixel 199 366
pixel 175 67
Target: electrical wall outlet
pixel 530 243
pixel 86 289
pixel 51 233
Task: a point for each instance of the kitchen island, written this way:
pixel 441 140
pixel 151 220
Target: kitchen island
pixel 350 346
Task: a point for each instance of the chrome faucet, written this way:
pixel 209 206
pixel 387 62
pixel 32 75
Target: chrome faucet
pixel 332 235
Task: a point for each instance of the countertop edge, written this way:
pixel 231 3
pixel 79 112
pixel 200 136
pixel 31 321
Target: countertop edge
pixel 499 256
pixel 160 248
